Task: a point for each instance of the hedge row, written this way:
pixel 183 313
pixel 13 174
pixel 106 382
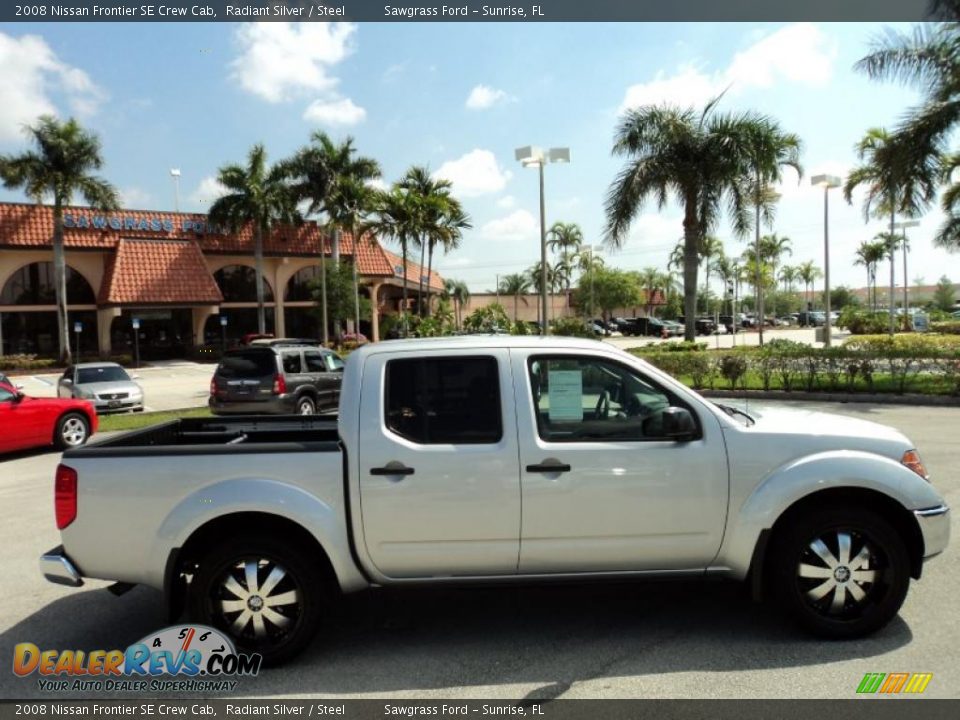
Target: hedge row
pixel 871 364
pixel 32 362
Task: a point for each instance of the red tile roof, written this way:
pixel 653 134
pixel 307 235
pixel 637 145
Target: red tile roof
pixel 413 271
pixel 25 225
pixel 158 272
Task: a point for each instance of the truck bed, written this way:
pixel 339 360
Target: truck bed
pixel 206 435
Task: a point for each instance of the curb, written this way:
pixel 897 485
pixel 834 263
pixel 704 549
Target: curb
pixel 838 397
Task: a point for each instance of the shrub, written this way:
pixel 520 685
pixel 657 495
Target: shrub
pixel 26 362
pixel 861 322
pixel 571 327
pixel 948 327
pixel 489 319
pixel 733 367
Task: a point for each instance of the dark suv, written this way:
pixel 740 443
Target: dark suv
pixel 276 378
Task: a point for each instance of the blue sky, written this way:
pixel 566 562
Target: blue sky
pixel 459 98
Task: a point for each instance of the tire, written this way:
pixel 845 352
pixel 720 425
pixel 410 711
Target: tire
pixel 306 406
pixel 72 431
pixel 827 596
pixel 286 627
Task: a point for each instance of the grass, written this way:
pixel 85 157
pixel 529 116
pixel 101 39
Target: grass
pixel 922 383
pixel 135 421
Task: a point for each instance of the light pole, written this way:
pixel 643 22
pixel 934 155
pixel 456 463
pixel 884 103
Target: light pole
pixel 530 156
pixel 827 182
pixel 902 226
pixel 773 196
pixel 175 174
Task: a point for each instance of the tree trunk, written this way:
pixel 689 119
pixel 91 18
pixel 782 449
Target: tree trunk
pixel 335 251
pixel 429 275
pixel 691 242
pixel 325 330
pixel 403 250
pixel 356 282
pixel 423 254
pixel 258 262
pixel 60 285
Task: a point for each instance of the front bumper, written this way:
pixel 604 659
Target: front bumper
pixel 110 406
pixel 58 568
pixel 935 526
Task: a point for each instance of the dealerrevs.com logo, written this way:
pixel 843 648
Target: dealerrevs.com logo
pixel 201 657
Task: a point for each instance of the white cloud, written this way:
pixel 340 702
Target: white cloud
pixel 506 202
pixel 483 97
pixel 134 198
pixel 518 225
pixel 32 73
pixel 336 111
pixel 798 53
pixel 656 230
pixel 473 174
pixel 280 61
pixel 207 191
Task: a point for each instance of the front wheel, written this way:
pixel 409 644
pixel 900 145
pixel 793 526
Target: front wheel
pixel 840 572
pixel 72 430
pixel 268 596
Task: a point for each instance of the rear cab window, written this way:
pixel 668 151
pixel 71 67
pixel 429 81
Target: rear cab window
pixel 248 364
pixel 446 400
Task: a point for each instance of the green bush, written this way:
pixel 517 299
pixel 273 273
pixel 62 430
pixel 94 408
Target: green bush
pixel 26 362
pixel 948 327
pixel 489 319
pixel 571 327
pixel 862 322
pixel 733 367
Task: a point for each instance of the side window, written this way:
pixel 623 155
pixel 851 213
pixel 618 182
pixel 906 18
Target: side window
pixel 438 401
pixel 291 362
pixel 581 399
pixel 6 395
pixel 314 361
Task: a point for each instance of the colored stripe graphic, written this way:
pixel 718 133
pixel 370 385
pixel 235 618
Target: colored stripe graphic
pixel 894 683
pixel 871 682
pixel 918 683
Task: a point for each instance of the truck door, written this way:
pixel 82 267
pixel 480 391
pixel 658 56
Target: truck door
pixel 603 489
pixel 439 471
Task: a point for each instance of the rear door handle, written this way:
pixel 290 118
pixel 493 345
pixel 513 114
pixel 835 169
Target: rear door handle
pixel 392 468
pixel 549 465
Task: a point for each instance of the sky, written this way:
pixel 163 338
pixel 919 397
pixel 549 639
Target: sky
pixel 459 98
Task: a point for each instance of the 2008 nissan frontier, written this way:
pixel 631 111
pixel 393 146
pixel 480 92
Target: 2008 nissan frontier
pixel 460 460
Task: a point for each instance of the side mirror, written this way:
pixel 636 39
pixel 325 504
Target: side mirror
pixel 678 424
pixel 67 381
pixel 18 397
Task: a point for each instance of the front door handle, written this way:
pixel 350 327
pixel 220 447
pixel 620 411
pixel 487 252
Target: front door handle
pixel 392 468
pixel 549 465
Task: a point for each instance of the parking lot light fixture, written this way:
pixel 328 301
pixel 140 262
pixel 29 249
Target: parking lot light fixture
pixel 533 156
pixel 827 182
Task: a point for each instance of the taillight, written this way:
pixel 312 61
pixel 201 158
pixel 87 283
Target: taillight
pixel 911 459
pixel 213 386
pixel 65 496
pixel 279 385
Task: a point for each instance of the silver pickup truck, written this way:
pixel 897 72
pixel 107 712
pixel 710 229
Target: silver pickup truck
pixel 465 460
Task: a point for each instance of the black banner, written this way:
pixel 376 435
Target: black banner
pixel 463 10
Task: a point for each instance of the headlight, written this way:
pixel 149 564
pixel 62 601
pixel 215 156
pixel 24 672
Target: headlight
pixel 86 394
pixel 911 459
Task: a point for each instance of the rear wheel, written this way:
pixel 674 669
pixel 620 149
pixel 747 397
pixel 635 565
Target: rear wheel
pixel 73 430
pixel 269 597
pixel 840 572
pixel 306 406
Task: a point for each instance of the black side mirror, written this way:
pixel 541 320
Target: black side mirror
pixel 18 397
pixel 678 424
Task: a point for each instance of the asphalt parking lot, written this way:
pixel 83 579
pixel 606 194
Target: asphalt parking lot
pixel 692 640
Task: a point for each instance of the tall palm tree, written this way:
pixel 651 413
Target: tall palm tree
pixel 788 276
pixel 651 280
pixel 929 59
pixel 60 167
pixel 808 274
pixel 259 196
pixel 515 284
pixel 893 183
pixel 869 254
pixel 457 291
pixel 398 216
pixel 704 160
pixel 447 232
pixel 350 200
pixel 711 248
pixel 566 239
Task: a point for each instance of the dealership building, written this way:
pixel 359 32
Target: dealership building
pixel 179 277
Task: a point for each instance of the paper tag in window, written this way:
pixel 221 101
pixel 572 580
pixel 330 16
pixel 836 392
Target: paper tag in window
pixel 566 395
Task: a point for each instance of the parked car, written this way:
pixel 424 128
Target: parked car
pixel 674 329
pixel 499 459
pixel 277 377
pixel 27 422
pixel 105 384
pixel 703 326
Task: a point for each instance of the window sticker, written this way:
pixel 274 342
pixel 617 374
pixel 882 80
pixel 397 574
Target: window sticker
pixel 565 395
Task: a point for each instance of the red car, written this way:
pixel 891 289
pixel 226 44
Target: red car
pixel 27 422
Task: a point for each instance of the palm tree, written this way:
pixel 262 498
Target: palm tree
pixel 349 201
pixel 651 280
pixel 535 275
pixel 398 216
pixel 564 236
pixel 929 59
pixel 788 276
pixel 894 184
pixel 515 284
pixel 60 168
pixel 447 232
pixel 808 273
pixel 711 248
pixel 260 196
pixel 457 291
pixel 869 254
pixel 705 160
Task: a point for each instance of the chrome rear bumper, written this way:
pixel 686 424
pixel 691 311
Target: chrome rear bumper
pixel 58 568
pixel 935 525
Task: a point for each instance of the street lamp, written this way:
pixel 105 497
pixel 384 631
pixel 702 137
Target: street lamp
pixel 532 156
pixel 175 174
pixel 903 227
pixel 827 182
